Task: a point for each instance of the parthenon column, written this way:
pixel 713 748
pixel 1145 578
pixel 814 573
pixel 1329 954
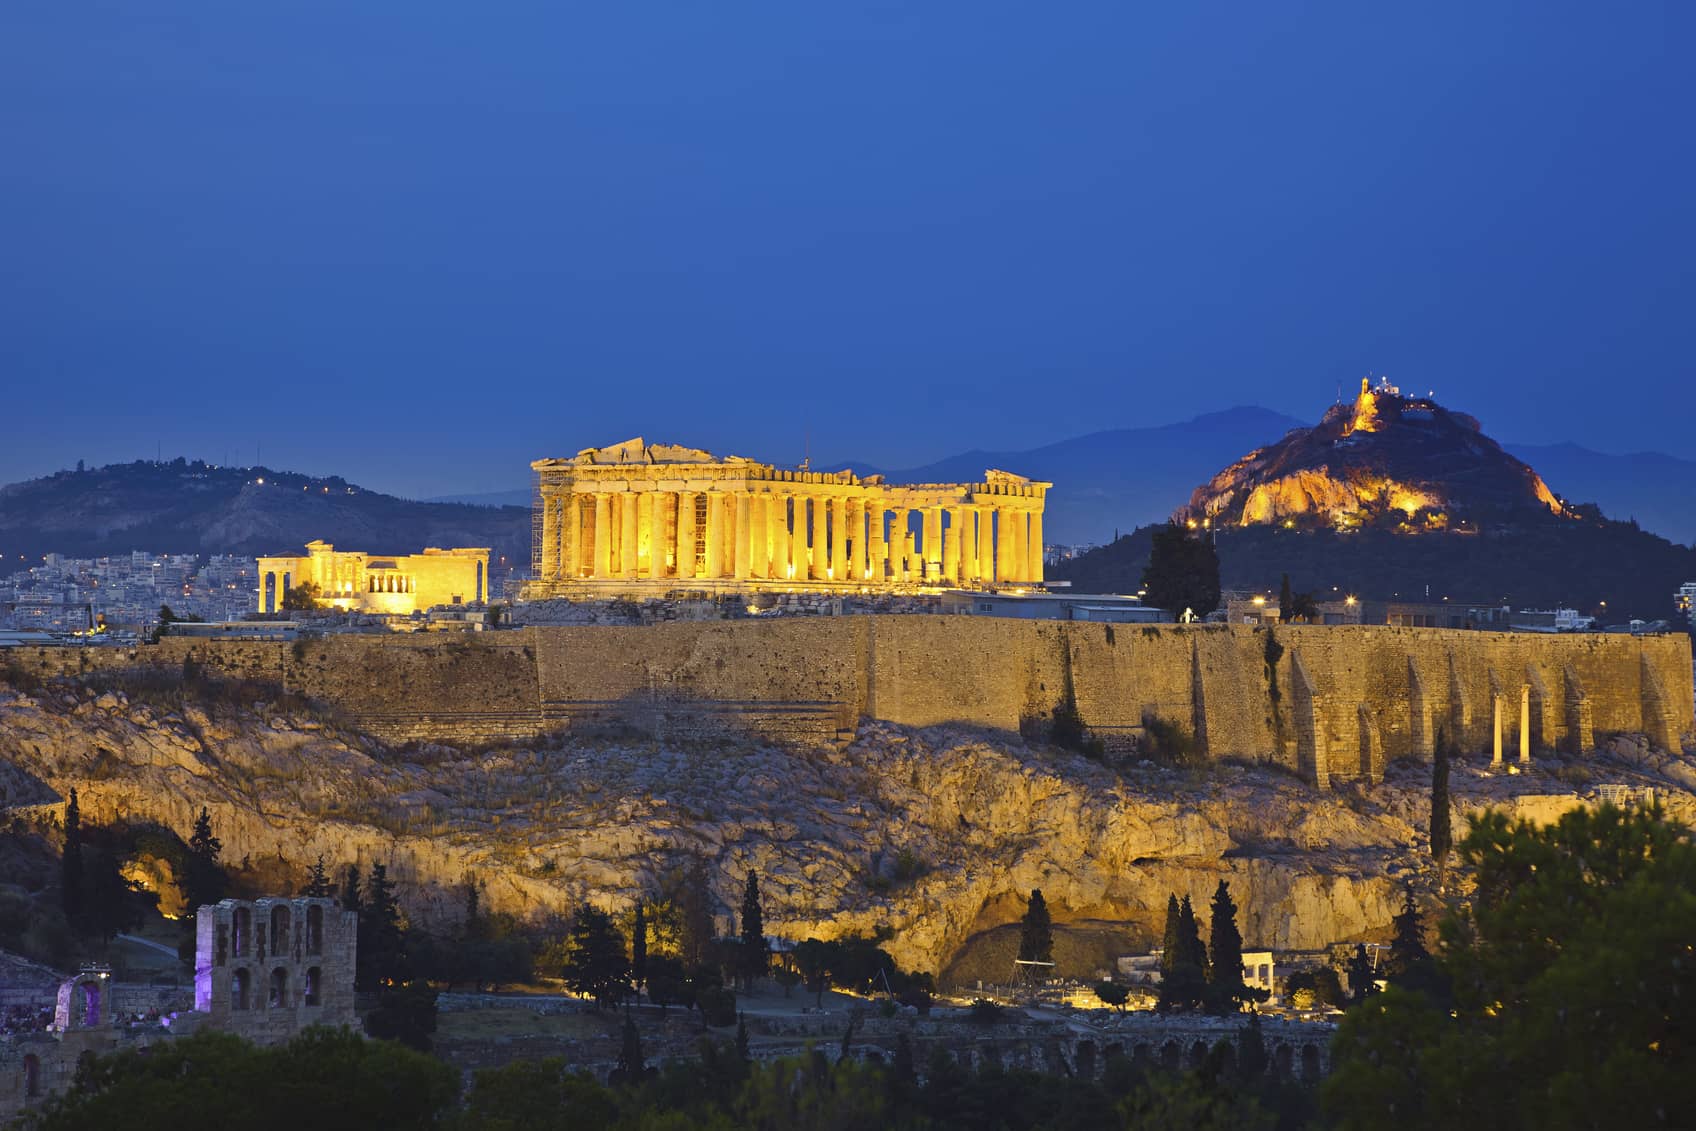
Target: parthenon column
pixel 821 546
pixel 757 562
pixel 686 563
pixel 933 542
pixel 627 505
pixel 876 544
pixel 1034 554
pixel 986 543
pixel 715 534
pixel 861 568
pixel 571 536
pixel 951 545
pixel 659 526
pixel 1004 544
pixel 550 536
pixel 742 558
pixel 798 564
pixel 898 563
pixel 603 534
pixel 839 538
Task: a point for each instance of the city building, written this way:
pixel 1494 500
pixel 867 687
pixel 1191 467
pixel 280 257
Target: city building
pixel 1104 608
pixel 1685 601
pixel 648 518
pixel 353 579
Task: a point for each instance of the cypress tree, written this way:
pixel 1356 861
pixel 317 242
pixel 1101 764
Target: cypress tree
pixel 639 946
pixel 1194 951
pixel 742 1037
pixel 1226 991
pixel 351 899
pixel 630 1064
pixel 753 958
pixel 1362 978
pixel 1252 1062
pixel 1185 985
pixel 1442 839
pixel 1409 956
pixel 1286 600
pixel 1169 940
pixel 1036 932
pixel 70 863
pixel 382 938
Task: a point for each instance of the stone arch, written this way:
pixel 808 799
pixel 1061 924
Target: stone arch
pixel 1309 1063
pixel 1083 1059
pixel 1170 1055
pixel 1142 1055
pixel 32 1076
pixel 1227 1057
pixel 272 599
pixel 280 923
pixel 315 929
pixel 314 986
pixel 278 995
pixel 241 986
pixel 1198 1053
pixel 241 930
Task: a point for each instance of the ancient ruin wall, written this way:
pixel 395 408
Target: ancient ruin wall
pixel 1332 701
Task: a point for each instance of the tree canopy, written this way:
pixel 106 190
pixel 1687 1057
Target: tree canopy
pixel 1183 571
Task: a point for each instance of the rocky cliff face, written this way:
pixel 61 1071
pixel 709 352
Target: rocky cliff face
pixel 1387 459
pixel 936 833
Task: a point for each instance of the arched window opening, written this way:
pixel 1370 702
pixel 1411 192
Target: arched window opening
pixel 32 1076
pixel 239 986
pixel 279 995
pixel 315 929
pixel 242 927
pixel 313 979
pixel 280 929
pixel 1310 1063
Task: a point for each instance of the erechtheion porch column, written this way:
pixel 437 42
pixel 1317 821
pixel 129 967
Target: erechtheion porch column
pixel 1034 555
pixel 603 534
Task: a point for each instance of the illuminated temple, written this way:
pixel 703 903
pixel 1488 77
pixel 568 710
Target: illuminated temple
pixel 639 517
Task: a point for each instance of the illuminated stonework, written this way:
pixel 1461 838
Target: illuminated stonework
pixel 652 517
pixel 374 584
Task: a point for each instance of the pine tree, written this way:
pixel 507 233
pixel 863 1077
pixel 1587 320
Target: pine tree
pixel 1441 836
pixel 70 863
pixel 1169 939
pixel 1182 572
pixel 204 878
pixel 754 953
pixel 317 881
pixel 1036 931
pixel 1286 600
pixel 1408 954
pixel 639 946
pixel 742 1037
pixel 1226 991
pixel 594 959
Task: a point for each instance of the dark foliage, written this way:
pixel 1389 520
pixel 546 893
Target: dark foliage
pixel 1182 571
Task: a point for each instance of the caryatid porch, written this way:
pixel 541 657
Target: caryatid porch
pixel 654 513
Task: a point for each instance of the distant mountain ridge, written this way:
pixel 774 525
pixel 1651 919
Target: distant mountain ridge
pixel 185 506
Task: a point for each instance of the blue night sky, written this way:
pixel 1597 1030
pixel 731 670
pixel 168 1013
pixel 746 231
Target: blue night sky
pixel 419 245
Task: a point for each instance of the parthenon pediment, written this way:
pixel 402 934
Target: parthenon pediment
pixel 636 450
pixel 995 476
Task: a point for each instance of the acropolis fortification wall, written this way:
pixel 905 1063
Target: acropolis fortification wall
pixel 1330 702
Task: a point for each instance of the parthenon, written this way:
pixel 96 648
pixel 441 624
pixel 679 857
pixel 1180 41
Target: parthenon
pixel 645 517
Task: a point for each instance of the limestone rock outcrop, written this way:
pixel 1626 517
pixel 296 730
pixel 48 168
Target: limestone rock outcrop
pixel 938 834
